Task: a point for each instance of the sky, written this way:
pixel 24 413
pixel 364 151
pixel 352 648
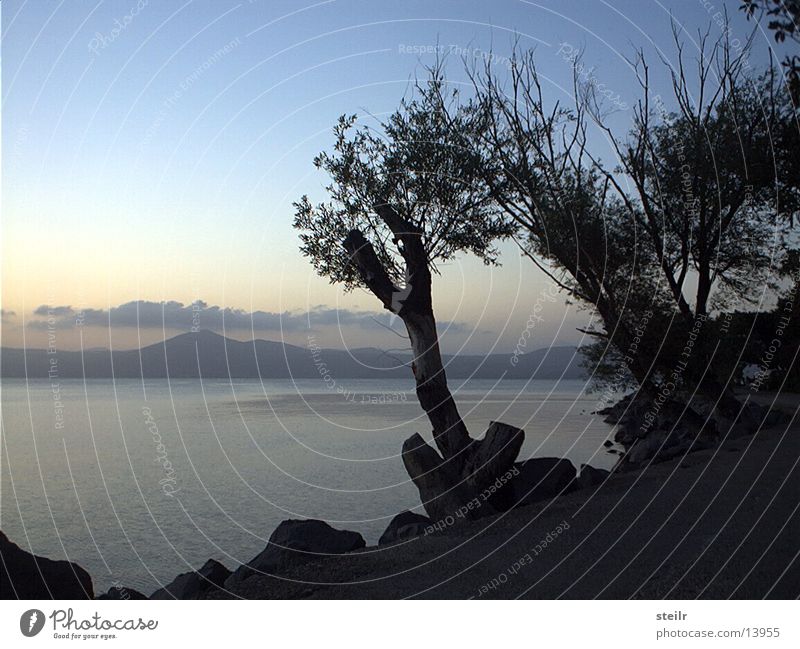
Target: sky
pixel 152 152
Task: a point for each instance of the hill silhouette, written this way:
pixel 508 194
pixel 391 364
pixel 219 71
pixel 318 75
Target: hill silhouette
pixel 209 355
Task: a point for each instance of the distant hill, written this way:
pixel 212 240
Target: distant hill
pixel 209 355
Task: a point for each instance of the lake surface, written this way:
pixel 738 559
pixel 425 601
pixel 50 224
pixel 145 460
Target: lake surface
pixel 139 481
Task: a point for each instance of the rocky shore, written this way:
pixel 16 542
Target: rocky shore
pixel 714 523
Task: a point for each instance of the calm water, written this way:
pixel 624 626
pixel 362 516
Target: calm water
pixel 138 482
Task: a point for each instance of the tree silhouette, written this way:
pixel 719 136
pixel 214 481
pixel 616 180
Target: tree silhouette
pixel 403 199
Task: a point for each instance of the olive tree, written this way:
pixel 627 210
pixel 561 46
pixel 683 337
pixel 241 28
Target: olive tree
pixel 403 199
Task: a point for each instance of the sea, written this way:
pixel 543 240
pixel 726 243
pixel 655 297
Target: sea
pixel 138 481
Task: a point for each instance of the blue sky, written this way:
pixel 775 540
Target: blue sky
pixel 152 150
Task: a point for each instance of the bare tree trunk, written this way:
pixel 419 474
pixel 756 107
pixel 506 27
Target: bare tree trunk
pixel 466 465
pixel 449 431
pixel 441 489
pixel 449 481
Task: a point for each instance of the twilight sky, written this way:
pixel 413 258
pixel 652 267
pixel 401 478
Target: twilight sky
pixel 152 150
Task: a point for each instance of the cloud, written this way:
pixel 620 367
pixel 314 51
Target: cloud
pixel 57 311
pixel 172 315
pixel 6 315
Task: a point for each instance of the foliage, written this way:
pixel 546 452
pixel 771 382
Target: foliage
pixel 716 184
pixel 784 16
pixel 411 164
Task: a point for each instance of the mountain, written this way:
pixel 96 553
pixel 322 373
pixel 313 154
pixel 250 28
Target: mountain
pixel 209 355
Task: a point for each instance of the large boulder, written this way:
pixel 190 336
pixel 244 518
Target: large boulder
pixel 405 525
pixel 441 490
pixel 26 576
pixel 296 541
pixel 189 585
pixel 672 434
pixel 447 487
pixel 489 458
pixel 539 478
pixel 591 477
pixel 639 416
pixel 122 593
pixel 649 448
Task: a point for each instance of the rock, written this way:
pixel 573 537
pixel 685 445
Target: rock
pixel 645 448
pixel 537 479
pixel 446 487
pixel 652 428
pixel 405 525
pixel 590 477
pixel 613 414
pixel 189 585
pixel 122 592
pixel 296 541
pixel 493 455
pixel 27 576
pixel 657 426
pixel 441 490
pixel 775 417
pixel 754 417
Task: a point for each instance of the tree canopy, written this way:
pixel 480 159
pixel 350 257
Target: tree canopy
pixel 409 162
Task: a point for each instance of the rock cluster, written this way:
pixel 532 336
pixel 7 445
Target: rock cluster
pixel 190 585
pixel 651 429
pixel 297 541
pixel 122 593
pixel 292 543
pixel 405 525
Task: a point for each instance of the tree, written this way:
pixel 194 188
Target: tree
pixel 714 184
pixel 784 20
pixel 403 200
pixel 537 165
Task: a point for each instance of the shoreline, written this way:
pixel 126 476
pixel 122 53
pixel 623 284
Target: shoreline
pixel 715 523
pixel 722 522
